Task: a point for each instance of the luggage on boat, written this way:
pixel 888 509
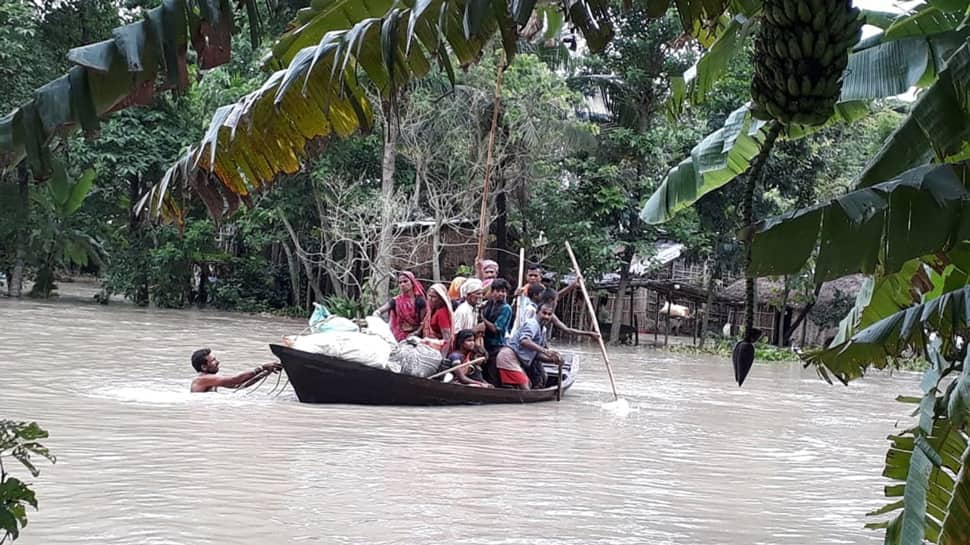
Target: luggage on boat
pixel 353 346
pixel 416 358
pixel 322 321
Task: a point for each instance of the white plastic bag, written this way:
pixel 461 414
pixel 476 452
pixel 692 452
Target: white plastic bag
pixel 351 346
pixel 322 321
pixel 379 327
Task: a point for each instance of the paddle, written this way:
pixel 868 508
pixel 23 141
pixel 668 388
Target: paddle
pixel 459 366
pixel 592 315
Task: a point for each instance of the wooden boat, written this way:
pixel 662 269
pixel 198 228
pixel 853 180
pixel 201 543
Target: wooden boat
pixel 322 379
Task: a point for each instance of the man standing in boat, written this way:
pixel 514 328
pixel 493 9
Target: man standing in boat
pixel 209 378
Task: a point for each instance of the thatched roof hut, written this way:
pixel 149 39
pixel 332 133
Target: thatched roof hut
pixel 771 291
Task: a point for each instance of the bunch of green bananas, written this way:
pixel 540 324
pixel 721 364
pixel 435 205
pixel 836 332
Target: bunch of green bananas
pixel 801 53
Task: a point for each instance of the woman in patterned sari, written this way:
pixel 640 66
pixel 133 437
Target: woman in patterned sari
pixel 407 309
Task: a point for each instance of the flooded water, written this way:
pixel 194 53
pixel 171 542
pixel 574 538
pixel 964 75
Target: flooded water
pixel 786 460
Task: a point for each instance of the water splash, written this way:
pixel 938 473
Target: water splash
pixel 621 407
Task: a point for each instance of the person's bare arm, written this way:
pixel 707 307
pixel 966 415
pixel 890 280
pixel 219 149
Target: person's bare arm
pixel 446 347
pixel 384 309
pixel 559 325
pixel 570 287
pixel 205 383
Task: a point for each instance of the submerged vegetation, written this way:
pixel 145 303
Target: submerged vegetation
pixel 352 142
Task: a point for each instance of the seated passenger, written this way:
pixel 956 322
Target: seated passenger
pixel 466 315
pixel 520 363
pixel 209 379
pixel 406 309
pixel 465 350
pixel 438 320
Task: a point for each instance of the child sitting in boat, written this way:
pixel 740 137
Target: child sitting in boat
pixel 467 350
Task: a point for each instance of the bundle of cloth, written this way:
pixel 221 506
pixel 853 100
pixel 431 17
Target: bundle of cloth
pixel 372 345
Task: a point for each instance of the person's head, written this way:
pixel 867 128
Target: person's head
pixel 405 283
pixel 437 297
pixel 549 296
pixel 534 292
pixel 546 312
pixel 472 290
pixel 533 275
pixel 499 290
pixel 454 290
pixel 204 362
pixel 489 269
pixel 465 341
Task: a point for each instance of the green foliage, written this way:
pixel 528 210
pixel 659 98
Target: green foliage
pixel 58 238
pixel 928 461
pixel 20 441
pixel 722 347
pixel 251 285
pixel 345 306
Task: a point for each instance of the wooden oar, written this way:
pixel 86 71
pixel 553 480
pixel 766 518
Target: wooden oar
pixel 459 366
pixel 592 315
pixel 559 386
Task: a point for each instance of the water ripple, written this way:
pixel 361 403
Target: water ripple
pixel 689 458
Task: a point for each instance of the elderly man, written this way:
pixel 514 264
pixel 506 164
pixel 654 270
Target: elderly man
pixel 207 365
pixel 466 315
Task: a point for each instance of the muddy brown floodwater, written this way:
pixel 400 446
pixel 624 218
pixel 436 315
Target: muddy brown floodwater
pixel 788 460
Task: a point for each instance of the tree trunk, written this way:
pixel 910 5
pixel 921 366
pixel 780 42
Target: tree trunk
pixel 382 258
pixel 15 284
pixel 802 315
pixel 436 250
pixel 709 305
pixel 617 318
pixel 781 320
pixel 294 267
pixel 307 265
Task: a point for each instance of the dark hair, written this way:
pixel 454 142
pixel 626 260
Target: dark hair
pixel 550 304
pixel 534 290
pixel 535 267
pixel 461 337
pixel 199 358
pixel 500 284
pixel 549 297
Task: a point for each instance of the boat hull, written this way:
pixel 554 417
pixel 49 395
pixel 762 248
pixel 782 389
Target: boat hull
pixel 322 379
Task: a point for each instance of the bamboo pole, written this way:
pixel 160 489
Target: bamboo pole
pixel 518 300
pixel 483 217
pixel 592 314
pixel 459 366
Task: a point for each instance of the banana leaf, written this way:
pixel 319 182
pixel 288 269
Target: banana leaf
pixel 115 74
pixel 883 69
pixel 269 132
pixel 923 211
pixel 936 129
pixel 477 20
pixel 907 330
pixel 928 460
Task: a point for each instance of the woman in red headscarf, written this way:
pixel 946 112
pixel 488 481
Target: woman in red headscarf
pixel 406 309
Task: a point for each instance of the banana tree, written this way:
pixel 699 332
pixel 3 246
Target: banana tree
pixel 56 240
pixel 141 59
pixel 873 72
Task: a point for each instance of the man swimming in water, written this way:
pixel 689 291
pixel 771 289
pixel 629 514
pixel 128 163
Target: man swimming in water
pixel 209 378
